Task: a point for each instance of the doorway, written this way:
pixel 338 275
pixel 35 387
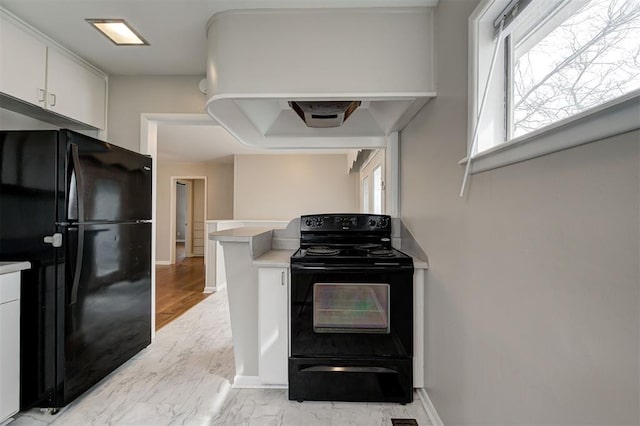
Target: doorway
pixel 182 223
pixel 188 206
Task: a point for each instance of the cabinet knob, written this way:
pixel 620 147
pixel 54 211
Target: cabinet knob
pixel 41 95
pixel 52 99
pixel 282 278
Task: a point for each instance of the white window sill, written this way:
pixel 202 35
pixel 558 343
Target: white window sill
pixel 616 117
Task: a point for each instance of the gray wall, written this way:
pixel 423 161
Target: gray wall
pixel 532 299
pixel 219 196
pixel 282 187
pixel 130 96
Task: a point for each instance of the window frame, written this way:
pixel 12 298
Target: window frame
pixel 375 162
pixel 618 116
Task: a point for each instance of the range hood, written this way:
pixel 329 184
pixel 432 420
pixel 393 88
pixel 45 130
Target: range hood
pixel 319 78
pixel 324 114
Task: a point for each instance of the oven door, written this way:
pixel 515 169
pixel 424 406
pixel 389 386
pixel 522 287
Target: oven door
pixel 352 311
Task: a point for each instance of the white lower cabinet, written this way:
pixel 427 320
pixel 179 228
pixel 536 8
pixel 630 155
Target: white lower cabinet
pixel 273 308
pixel 9 345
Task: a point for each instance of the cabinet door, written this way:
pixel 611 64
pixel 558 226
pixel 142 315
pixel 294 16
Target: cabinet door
pixel 9 358
pixel 75 91
pixel 273 311
pixel 23 64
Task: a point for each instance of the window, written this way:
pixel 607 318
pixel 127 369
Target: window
pixel 567 73
pixel 377 190
pixel 365 194
pixel 372 184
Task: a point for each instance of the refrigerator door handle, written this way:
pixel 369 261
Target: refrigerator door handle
pixel 78 268
pixel 55 239
pixel 77 171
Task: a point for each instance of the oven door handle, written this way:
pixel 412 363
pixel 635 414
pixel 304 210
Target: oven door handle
pixel 357 269
pixel 341 369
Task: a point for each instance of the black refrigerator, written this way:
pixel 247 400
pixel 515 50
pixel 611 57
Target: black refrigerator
pixel 79 210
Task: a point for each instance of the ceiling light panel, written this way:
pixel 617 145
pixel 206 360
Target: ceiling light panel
pixel 118 31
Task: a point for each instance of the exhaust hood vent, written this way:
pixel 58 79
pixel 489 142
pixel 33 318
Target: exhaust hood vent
pixel 323 114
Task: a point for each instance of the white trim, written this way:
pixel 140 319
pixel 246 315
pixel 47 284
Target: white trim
pixel 610 119
pixel 253 382
pixel 428 406
pixel 149 146
pixel 215 289
pixel 616 117
pixel 392 178
pixel 163 262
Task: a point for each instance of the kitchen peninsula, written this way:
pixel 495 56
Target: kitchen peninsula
pixel 257 263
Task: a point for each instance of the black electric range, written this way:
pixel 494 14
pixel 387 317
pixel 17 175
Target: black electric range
pixel 351 312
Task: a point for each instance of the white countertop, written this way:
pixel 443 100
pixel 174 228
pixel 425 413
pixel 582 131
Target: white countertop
pixel 420 264
pixel 8 267
pixel 275 259
pixel 238 234
pixel 282 259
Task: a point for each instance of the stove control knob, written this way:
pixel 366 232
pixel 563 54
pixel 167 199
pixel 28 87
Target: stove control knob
pixel 372 222
pixel 308 222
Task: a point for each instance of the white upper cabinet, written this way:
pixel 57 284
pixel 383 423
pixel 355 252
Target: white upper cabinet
pixel 75 91
pixel 37 71
pixel 23 64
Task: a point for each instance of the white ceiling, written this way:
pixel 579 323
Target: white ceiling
pixel 176 29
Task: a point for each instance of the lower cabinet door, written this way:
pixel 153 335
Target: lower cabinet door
pixel 9 359
pixel 273 325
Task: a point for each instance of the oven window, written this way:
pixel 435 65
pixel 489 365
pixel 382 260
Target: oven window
pixel 351 308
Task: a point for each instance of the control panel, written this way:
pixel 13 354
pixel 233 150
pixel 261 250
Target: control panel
pixel 345 222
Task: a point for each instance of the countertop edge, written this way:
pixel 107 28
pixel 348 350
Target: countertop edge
pixel 9 267
pixel 238 234
pixel 278 258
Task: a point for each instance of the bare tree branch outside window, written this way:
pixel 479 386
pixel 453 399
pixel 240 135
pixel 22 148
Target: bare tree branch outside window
pixel 591 58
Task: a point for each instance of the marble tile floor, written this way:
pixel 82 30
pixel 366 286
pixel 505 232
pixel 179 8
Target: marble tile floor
pixel 184 378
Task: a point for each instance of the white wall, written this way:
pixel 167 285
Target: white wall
pixel 532 299
pixel 281 187
pixel 219 196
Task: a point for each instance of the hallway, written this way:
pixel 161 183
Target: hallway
pixel 178 287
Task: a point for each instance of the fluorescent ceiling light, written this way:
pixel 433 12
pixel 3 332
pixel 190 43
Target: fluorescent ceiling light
pixel 118 31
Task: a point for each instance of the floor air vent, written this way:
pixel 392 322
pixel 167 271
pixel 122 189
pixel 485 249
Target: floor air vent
pixel 404 422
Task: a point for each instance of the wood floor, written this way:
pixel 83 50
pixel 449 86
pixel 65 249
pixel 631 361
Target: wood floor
pixel 178 287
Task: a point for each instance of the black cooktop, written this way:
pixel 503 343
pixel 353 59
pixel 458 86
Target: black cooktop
pixel 351 238
pixel 356 255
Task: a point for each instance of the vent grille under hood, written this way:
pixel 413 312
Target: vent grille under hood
pixel 323 114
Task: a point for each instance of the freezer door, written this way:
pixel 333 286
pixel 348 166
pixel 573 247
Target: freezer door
pixel 104 182
pixel 108 300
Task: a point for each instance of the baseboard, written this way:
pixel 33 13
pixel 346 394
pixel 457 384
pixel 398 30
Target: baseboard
pixel 216 288
pixel 7 421
pixel 252 382
pixel 163 262
pixel 428 406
